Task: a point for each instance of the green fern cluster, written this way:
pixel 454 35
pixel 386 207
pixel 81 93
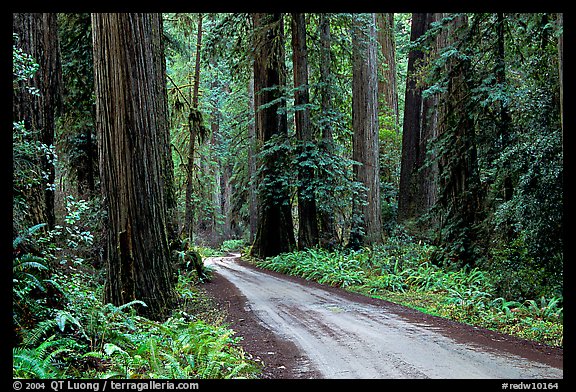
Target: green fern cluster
pixel 80 336
pixel 93 340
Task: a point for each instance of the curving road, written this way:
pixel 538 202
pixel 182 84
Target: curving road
pixel 344 338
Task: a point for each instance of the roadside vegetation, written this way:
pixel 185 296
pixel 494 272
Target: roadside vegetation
pixel 65 330
pixel 408 273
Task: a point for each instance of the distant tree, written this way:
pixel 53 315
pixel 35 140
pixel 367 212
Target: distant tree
pixel 387 86
pixel 275 233
pixel 197 131
pixel 252 196
pixel 135 160
pixel 76 140
pixel 307 212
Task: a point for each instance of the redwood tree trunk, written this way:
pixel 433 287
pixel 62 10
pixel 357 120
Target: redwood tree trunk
pixel 387 89
pixel 459 196
pixel 132 127
pixel 252 163
pixel 365 140
pixel 328 236
pixel 408 194
pixel 561 69
pixel 307 215
pixel 275 233
pixel 38 37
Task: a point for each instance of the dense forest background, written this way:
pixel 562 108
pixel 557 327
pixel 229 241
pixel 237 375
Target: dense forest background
pixel 141 141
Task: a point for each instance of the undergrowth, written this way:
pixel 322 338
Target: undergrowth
pixel 403 272
pixel 63 329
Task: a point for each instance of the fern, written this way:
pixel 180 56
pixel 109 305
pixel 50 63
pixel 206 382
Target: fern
pixel 39 362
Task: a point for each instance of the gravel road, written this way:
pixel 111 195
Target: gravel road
pixel 344 337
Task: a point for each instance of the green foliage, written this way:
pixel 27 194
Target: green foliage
pixel 24 66
pixel 517 274
pixel 232 246
pixel 94 340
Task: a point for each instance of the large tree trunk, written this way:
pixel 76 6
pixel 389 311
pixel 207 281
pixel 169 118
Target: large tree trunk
pixel 365 140
pixel 38 37
pixel 135 165
pixel 275 233
pixel 307 215
pixel 459 196
pixel 328 236
pixel 409 192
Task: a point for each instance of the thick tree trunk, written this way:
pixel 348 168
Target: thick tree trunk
pixel 408 195
pixel 459 194
pixel 38 37
pixel 328 235
pixel 307 215
pixel 132 126
pixel 275 232
pixel 365 140
pixel 504 115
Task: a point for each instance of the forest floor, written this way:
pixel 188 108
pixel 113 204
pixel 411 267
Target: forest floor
pixel 301 329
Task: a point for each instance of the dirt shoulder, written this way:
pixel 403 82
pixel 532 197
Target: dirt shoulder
pixel 281 358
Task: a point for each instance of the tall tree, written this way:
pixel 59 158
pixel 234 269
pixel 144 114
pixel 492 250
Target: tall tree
pixel 253 204
pixel 561 68
pixel 387 88
pixel 135 160
pixel 328 235
pixel 307 214
pixel 275 233
pixel 408 194
pixel 38 37
pixel 367 228
pixel 459 196
pixel 196 132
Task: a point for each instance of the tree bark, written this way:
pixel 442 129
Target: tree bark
pixel 387 88
pixel 135 165
pixel 365 140
pixel 194 120
pixel 459 195
pixel 561 69
pixel 252 163
pixel 328 235
pixel 307 215
pixel 275 233
pixel 38 37
pixel 408 205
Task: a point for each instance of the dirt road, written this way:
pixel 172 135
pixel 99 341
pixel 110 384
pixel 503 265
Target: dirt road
pixel 343 335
